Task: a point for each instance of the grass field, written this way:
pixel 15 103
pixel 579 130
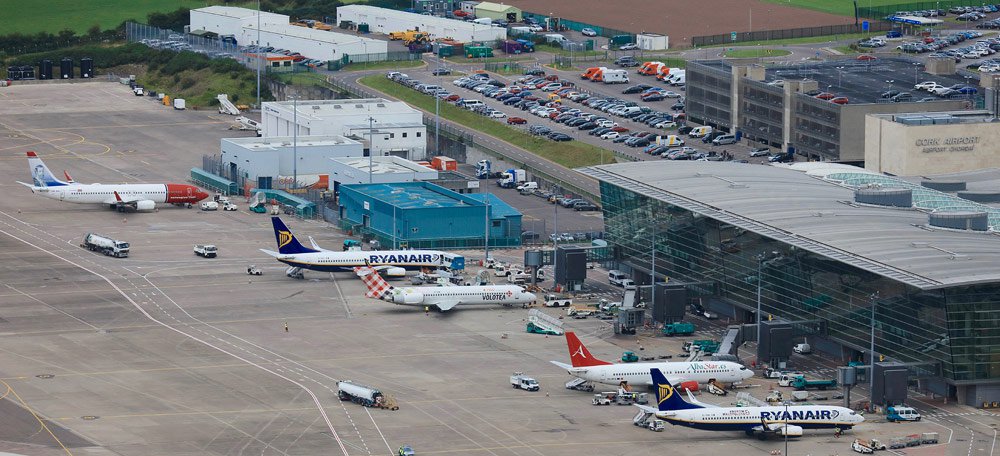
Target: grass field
pixel 839 7
pixel 571 154
pixel 755 53
pixel 55 15
pixel 383 65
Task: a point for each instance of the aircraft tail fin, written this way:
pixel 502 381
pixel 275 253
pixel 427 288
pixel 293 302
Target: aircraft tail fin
pixel 287 244
pixel 40 173
pixel 377 286
pixel 667 397
pixel 579 356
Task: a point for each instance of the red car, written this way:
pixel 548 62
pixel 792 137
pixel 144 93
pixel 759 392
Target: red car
pixel 620 129
pixel 866 57
pixel 452 98
pixel 516 121
pixel 826 96
pixel 839 100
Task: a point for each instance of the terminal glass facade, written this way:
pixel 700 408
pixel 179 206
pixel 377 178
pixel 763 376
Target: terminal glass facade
pixel 953 333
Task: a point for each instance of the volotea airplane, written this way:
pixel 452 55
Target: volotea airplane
pixel 443 297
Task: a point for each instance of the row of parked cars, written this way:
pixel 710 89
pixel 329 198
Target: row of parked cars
pixel 297 57
pixel 939 43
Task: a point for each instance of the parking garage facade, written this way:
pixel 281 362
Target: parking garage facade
pixel 720 229
pixel 783 116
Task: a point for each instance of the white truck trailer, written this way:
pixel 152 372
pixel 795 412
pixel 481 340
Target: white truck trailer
pixel 364 395
pixel 110 247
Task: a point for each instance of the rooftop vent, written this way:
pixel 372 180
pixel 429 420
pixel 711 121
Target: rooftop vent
pixel 889 197
pixel 944 185
pixel 980 197
pixel 960 220
pixel 381 105
pixel 338 107
pixel 359 106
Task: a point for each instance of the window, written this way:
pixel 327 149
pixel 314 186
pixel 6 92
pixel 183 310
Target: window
pixel 392 135
pixel 496 224
pixel 404 135
pixel 418 134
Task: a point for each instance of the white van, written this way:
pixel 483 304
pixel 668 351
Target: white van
pixel 670 140
pixel 618 277
pixel 700 132
pixel 678 80
pixel 483 21
pixel 554 38
pixel 527 187
pixel 629 110
pixel 615 77
pixel 472 104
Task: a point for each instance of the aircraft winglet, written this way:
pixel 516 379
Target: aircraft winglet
pixel 69 178
pixel 118 197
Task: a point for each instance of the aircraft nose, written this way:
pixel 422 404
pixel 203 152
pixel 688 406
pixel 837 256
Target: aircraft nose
pixel 530 296
pixel 200 194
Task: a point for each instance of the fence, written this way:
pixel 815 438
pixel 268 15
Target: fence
pixel 402 56
pixel 883 11
pixel 566 24
pixel 784 34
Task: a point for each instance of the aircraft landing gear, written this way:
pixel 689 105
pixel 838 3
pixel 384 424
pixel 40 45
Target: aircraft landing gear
pixel 294 272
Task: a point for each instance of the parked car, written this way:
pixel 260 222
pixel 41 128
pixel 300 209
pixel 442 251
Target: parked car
pixel 760 152
pixel 724 140
pixel 516 121
pixel 441 71
pixel 588 32
pixel 628 47
pixel 584 206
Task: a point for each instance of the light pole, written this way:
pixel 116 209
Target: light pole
pixel 915 66
pixel 871 377
pixel 437 121
pixel 760 278
pixel 486 245
pixel 371 149
pixel 840 76
pixel 295 140
pixel 257 53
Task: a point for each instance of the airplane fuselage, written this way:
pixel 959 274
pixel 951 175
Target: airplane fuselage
pixel 332 261
pixel 462 295
pixel 638 373
pixel 751 418
pixel 105 193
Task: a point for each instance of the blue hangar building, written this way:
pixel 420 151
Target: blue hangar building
pixel 844 257
pixel 427 216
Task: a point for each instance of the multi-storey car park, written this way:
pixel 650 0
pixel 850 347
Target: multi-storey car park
pixel 833 248
pixel 777 105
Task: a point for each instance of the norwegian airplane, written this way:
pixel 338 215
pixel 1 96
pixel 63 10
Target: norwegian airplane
pixel 444 298
pixel 686 374
pixel 121 197
pixel 781 420
pixel 299 258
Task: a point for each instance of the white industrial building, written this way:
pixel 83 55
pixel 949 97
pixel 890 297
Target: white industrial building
pixel 391 127
pixel 267 160
pixel 383 20
pixel 229 20
pixel 381 170
pixel 275 31
pixel 652 41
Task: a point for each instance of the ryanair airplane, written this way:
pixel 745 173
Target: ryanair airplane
pixel 759 421
pixel 299 257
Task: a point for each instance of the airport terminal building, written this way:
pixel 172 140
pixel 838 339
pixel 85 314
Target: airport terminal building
pixel 829 249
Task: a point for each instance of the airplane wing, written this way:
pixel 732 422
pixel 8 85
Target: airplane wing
pixel 32 187
pixel 565 366
pixel 447 305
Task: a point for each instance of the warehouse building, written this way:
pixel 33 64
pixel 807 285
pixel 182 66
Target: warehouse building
pixel 387 127
pixel 424 215
pixel 230 20
pixel 497 11
pixel 383 20
pixel 823 249
pixel 932 142
pixel 270 162
pixel 773 106
pixel 275 31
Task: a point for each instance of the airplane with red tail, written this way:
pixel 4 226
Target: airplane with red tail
pixel 121 197
pixel 688 375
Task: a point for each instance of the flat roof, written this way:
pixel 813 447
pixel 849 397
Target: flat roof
pixel 386 164
pixel 232 11
pixel 498 208
pixel 816 212
pixel 254 143
pixel 415 18
pixel 940 117
pixel 324 36
pixel 317 109
pixel 858 80
pixel 496 7
pixel 415 195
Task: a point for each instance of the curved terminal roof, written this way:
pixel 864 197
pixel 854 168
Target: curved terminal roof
pixel 812 207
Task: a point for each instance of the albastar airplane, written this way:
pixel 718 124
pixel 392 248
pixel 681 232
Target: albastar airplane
pixel 444 298
pixel 121 197
pixel 686 374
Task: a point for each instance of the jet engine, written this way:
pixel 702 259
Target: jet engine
pixel 410 297
pixel 690 386
pixel 790 430
pixel 145 205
